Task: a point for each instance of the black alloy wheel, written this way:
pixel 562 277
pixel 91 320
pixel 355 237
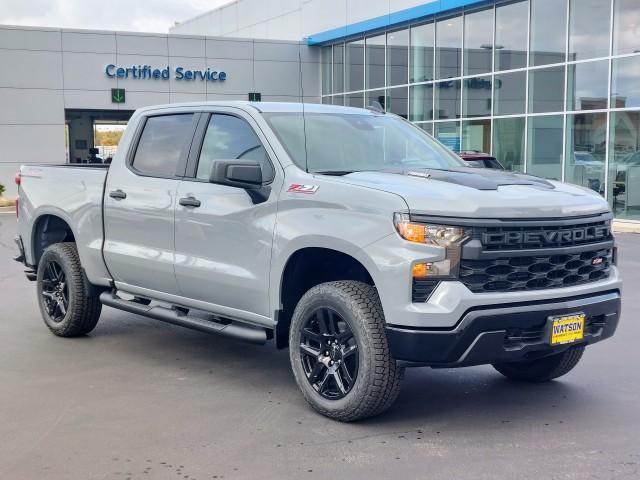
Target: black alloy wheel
pixel 329 353
pixel 55 291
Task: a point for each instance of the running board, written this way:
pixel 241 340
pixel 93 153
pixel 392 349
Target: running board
pixel 245 333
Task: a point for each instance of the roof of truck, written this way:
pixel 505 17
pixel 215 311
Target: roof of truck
pixel 270 107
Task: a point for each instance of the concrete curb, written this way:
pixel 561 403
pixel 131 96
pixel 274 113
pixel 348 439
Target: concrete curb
pixel 626 226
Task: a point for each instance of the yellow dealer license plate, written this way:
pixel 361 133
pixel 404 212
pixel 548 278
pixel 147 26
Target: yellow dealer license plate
pixel 567 328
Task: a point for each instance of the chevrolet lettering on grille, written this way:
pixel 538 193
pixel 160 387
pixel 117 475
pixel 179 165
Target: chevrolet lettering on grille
pixel 550 237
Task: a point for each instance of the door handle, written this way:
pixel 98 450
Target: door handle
pixel 189 202
pixel 118 194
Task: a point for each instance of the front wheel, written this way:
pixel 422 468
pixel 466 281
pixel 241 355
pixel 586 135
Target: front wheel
pixel 339 352
pixel 542 369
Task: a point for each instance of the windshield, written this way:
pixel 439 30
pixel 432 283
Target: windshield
pixel 346 143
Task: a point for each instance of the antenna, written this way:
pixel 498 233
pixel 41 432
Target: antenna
pixel 304 121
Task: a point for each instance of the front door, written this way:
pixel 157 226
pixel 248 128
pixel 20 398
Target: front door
pixel 224 234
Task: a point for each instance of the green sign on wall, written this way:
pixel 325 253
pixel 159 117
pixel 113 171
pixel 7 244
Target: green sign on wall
pixel 117 95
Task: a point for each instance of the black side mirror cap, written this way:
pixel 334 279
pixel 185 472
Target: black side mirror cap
pixel 236 173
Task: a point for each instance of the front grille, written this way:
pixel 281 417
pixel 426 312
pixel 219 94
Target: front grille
pixel 535 272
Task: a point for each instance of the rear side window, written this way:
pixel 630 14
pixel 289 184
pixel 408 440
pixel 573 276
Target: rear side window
pixel 231 138
pixel 162 144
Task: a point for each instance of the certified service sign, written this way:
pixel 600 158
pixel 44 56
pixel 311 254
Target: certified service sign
pixel 148 72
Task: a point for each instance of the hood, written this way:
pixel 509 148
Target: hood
pixel 482 193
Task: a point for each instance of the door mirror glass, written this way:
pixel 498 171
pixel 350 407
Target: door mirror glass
pixel 236 173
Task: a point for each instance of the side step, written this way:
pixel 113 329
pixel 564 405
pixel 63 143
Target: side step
pixel 231 330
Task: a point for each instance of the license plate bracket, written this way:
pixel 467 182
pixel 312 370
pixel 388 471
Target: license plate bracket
pixel 564 329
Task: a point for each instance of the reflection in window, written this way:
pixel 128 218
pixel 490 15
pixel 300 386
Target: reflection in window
pixel 624 164
pixel 422 38
pixel 338 99
pixel 509 95
pixel 477 97
pixel 544 156
pixel 548 31
pixel 586 149
pixel 589 23
pixel 508 142
pixel 546 90
pixel 397 100
pixel 448 47
pixel 511 36
pixel 587 86
pixel 397 57
pixel 355 65
pixel 626 27
pixel 354 100
pixel 421 106
pixel 476 135
pixel 375 97
pixel 375 61
pixel 478 42
pixel 327 74
pixel 427 127
pixel 625 87
pixel 447 99
pixel 338 68
pixel 448 133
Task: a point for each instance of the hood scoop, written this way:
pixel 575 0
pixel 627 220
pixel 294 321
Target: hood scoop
pixel 480 179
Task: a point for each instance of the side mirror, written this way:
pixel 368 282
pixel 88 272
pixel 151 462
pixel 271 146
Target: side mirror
pixel 236 173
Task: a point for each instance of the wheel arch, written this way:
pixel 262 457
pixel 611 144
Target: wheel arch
pixel 48 229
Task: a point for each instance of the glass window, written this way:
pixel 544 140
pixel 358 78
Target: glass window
pixel 448 47
pixel 397 57
pixel 546 90
pixel 625 87
pixel 477 97
pixel 548 31
pixel 448 133
pixel 338 68
pixel 476 136
pixel 508 142
pixel 354 65
pixel 327 74
pixel 354 100
pixel 163 142
pixel 375 61
pixel 626 27
pixel 427 127
pixel 544 156
pixel 397 101
pixel 338 99
pixel 589 27
pixel 377 96
pixel 624 164
pixel 511 36
pixel 586 149
pixel 509 93
pixel 422 38
pixel 478 42
pixel 447 99
pixel 421 106
pixel 587 86
pixel 326 100
pixel 229 138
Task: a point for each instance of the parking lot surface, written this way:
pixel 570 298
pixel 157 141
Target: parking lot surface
pixel 141 399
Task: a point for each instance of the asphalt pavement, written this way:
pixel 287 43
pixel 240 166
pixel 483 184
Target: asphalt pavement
pixel 139 399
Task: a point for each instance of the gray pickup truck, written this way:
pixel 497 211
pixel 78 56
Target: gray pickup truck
pixel 348 235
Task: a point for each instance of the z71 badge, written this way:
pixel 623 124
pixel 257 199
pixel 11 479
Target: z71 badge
pixel 297 188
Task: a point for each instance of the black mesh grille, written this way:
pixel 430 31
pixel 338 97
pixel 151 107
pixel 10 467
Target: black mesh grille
pixel 422 288
pixel 535 272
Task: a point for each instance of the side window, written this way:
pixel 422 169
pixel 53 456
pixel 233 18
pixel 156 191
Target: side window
pixel 162 143
pixel 231 138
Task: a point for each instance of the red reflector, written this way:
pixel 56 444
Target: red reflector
pixel 17 207
pixel 18 178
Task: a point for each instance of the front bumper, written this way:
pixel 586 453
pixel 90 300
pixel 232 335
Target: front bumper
pixel 494 333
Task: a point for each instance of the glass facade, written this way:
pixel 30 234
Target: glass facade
pixel 549 87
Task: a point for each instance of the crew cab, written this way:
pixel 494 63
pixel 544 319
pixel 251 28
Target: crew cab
pixel 348 235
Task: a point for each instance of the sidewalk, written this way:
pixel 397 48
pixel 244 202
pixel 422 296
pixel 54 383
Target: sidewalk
pixel 626 226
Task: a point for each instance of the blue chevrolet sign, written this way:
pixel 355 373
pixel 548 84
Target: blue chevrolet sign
pixel 151 73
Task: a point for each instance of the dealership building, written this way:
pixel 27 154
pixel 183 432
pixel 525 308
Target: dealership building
pixel 549 87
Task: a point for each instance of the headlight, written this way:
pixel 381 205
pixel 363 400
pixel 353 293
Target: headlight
pixel 437 235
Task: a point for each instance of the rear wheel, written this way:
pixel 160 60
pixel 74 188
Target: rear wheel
pixel 66 306
pixel 542 369
pixel 339 352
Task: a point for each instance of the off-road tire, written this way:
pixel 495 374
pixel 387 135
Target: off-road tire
pixel 378 380
pixel 542 369
pixel 83 309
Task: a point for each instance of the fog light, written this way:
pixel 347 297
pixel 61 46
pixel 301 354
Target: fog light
pixel 432 269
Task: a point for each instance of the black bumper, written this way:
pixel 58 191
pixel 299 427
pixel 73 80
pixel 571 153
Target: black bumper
pixel 504 333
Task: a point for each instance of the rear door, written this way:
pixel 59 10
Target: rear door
pixel 140 201
pixel 224 236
